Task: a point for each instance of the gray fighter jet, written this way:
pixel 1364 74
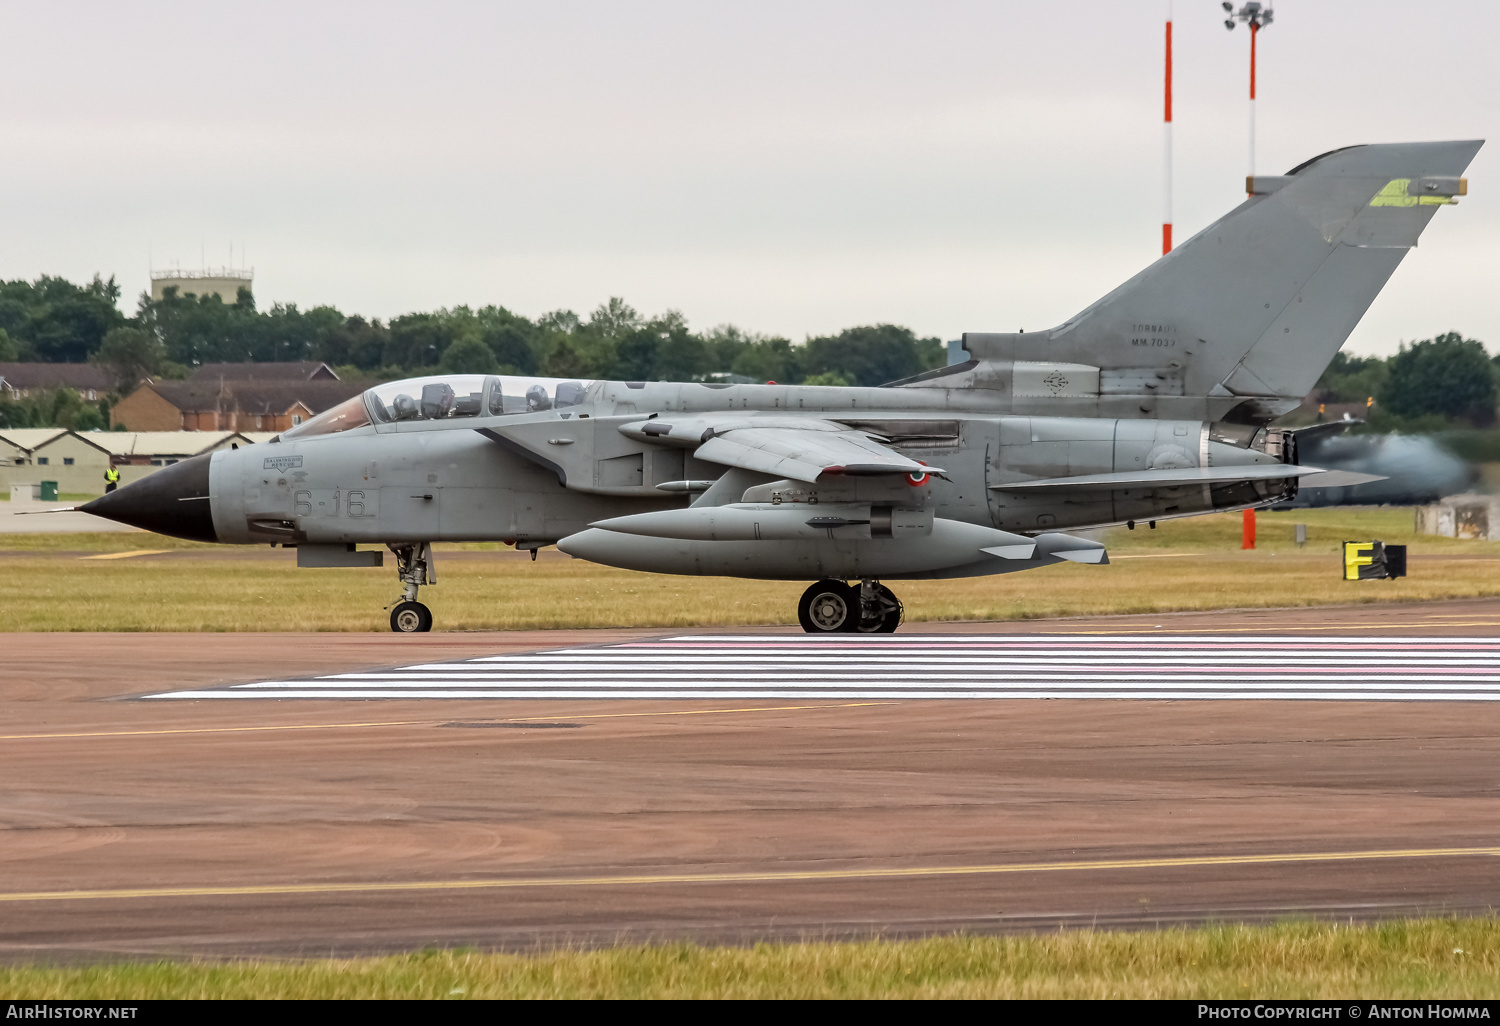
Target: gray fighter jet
pixel 1152 403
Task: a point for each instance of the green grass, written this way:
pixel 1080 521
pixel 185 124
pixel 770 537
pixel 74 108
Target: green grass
pixel 104 541
pixel 1191 564
pixel 1427 958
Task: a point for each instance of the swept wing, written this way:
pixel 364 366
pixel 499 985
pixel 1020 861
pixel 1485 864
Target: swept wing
pixel 799 448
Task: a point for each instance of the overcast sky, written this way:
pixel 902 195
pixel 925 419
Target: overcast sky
pixel 792 168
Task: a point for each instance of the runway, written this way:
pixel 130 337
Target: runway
pixel 20 516
pixel 510 816
pixel 915 666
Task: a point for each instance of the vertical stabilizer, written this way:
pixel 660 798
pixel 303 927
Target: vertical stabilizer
pixel 1257 304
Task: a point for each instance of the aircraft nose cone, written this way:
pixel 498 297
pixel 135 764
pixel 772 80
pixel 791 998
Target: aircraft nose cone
pixel 172 501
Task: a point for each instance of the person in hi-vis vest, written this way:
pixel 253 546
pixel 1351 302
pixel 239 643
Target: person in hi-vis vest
pixel 111 478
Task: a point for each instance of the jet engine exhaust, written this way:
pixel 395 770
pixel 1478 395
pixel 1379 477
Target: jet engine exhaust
pixel 1418 470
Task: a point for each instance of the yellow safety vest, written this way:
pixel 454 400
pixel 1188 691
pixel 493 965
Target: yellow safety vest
pixel 112 476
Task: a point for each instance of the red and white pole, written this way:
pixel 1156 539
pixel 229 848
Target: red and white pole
pixel 1247 519
pixel 1254 16
pixel 1166 217
pixel 1254 32
pixel 1247 525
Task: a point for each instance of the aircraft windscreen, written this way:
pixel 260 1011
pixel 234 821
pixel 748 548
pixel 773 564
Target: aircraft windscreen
pixel 350 413
pixel 443 397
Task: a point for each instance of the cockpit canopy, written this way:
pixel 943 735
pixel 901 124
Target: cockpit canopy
pixel 444 397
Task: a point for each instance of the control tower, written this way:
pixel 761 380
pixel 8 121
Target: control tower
pixel 224 282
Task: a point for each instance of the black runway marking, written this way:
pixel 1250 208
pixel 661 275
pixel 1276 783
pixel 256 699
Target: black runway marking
pixel 916 666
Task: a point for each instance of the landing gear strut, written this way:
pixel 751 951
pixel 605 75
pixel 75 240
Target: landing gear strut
pixel 879 609
pixel 833 607
pixel 414 567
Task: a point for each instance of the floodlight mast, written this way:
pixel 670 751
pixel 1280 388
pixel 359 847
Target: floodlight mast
pixel 1257 16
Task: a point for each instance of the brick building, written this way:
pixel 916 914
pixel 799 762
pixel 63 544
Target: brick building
pixel 254 405
pixel 305 370
pixel 18 380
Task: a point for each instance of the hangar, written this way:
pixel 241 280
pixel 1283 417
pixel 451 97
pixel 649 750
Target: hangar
pixel 77 460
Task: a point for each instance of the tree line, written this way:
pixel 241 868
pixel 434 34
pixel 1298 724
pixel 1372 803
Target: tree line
pixel 1438 383
pixel 54 320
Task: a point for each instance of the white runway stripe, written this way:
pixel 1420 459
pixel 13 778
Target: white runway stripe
pixel 869 677
pixel 721 667
pixel 738 695
pixel 1056 639
pixel 940 669
pixel 907 660
pixel 876 680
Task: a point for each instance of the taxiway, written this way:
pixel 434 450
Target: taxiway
pixel 342 823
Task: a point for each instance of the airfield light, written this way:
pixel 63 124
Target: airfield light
pixel 1257 16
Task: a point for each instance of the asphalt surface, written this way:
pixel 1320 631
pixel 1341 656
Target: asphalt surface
pixel 19 516
pixel 139 826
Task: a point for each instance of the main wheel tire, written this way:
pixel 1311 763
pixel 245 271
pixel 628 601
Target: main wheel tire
pixel 889 617
pixel 411 618
pixel 829 607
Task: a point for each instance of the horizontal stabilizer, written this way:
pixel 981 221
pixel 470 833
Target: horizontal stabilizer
pixel 1342 479
pixel 1165 478
pixel 1318 432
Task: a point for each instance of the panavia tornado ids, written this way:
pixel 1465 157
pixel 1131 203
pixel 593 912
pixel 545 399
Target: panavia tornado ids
pixel 1154 402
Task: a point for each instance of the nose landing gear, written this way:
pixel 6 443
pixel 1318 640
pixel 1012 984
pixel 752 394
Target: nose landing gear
pixel 414 567
pixel 833 607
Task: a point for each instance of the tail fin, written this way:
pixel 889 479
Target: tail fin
pixel 1258 303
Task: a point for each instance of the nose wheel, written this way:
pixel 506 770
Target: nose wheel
pixel 414 567
pixel 411 618
pixel 833 607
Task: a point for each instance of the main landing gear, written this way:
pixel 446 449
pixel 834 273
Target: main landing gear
pixel 414 567
pixel 833 607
